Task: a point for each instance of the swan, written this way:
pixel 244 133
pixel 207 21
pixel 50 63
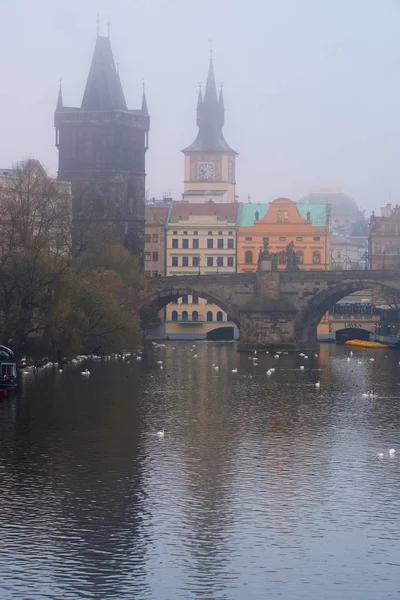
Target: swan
pixel 348 359
pixel 269 372
pixel 234 370
pixel 351 352
pixel 138 358
pixel 85 373
pixel 255 351
pixel 159 362
pixel 216 368
pixel 392 452
pixel 195 356
pixel 302 368
pixel 365 395
pixel 161 433
pixel 360 362
pixel 305 356
pixel 272 369
pixel 316 355
pixel 372 359
pixel 276 355
pixel 318 385
pixel 380 455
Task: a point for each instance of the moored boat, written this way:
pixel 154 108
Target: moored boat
pixel 8 369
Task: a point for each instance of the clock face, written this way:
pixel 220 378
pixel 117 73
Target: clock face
pixel 206 171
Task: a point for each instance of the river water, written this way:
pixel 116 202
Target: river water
pixel 262 487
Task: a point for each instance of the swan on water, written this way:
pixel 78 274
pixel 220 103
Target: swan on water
pixel 85 373
pixel 392 452
pixel 380 455
pixel 301 367
pixel 234 370
pixel 195 356
pixel 348 359
pixel 276 355
pixel 316 355
pixel 372 359
pixel 318 385
pixel 255 351
pixel 159 362
pixel 351 352
pixel 161 433
pixel 138 358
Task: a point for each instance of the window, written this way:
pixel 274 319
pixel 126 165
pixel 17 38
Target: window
pixel 195 299
pixel 282 239
pixel 174 315
pixel 210 261
pixel 185 243
pixel 209 315
pixel 155 256
pixel 174 261
pixel 316 239
pixel 185 299
pixel 220 261
pixel 220 244
pixel 230 261
pixel 155 238
pixel 300 257
pixel 220 233
pixel 195 243
pixel 230 243
pixel 248 257
pixel 299 239
pixel 156 274
pixel 175 232
pixel 210 243
pixel 195 233
pixel 185 315
pixel 185 233
pixel 148 238
pixel 185 261
pixel 175 243
pixel 210 233
pixel 316 258
pixel 220 316
pixel 285 216
pixel 195 261
pixel 282 258
pixel 339 255
pixel 147 256
pixel 249 239
pixel 279 216
pixel 147 273
pixel 195 315
pixel 230 232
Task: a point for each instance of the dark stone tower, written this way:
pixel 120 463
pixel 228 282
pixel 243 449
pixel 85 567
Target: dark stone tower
pixel 102 147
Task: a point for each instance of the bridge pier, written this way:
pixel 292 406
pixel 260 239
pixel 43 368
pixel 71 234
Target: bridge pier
pixel 271 330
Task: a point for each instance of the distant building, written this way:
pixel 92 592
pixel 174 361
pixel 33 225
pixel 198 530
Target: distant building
pixel 209 160
pixel 102 146
pixel 384 238
pixel 283 221
pixel 348 252
pixel 201 239
pixel 155 230
pixel 346 216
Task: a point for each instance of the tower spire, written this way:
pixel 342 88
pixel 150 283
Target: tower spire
pixel 221 106
pixel 60 104
pixel 144 100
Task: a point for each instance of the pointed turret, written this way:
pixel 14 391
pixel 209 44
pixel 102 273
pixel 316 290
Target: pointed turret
pixel 103 87
pixel 60 104
pixel 144 102
pixel 210 119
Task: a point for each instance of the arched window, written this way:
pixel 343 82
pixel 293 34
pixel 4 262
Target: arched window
pixel 300 257
pixel 174 315
pixel 316 258
pixel 248 257
pixel 220 316
pixel 209 315
pixel 279 216
pixel 185 316
pixel 195 315
pixel 282 258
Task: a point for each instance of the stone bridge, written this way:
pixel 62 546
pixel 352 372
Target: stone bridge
pixel 272 309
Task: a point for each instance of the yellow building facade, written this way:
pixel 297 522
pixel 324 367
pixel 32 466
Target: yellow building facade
pixel 200 239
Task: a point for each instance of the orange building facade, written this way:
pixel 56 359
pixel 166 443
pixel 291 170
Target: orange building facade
pixel 283 221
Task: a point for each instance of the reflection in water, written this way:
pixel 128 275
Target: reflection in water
pixel 261 485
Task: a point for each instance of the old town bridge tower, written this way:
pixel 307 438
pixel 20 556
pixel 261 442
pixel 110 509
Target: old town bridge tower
pixel 102 146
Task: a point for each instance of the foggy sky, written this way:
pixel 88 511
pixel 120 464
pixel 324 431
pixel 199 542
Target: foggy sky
pixel 311 87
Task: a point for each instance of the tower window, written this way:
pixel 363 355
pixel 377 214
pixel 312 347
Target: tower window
pixel 279 216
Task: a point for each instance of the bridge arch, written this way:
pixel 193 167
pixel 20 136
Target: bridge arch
pixel 163 296
pixel 307 319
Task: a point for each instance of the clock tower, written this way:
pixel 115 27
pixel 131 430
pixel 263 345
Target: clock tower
pixel 209 161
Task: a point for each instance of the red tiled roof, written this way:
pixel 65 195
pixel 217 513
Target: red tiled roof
pixel 159 213
pixel 183 210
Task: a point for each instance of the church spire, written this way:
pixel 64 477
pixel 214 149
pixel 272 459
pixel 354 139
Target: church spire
pixel 210 118
pixel 60 104
pixel 103 88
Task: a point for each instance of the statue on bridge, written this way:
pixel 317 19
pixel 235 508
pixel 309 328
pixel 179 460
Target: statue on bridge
pixel 267 261
pixel 292 260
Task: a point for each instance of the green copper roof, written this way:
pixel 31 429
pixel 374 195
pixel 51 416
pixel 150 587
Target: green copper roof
pixel 318 213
